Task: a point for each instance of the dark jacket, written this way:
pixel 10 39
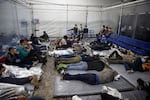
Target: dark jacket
pixel 11 59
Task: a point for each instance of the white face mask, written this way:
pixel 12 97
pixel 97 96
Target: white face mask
pixel 143 60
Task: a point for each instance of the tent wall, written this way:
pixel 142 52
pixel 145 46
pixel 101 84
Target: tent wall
pixel 56 17
pixel 111 17
pixel 60 19
pixel 15 20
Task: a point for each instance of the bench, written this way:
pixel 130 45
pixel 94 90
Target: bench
pixel 138 46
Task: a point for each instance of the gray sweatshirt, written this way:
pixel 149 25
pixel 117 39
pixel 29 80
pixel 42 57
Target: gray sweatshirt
pixel 107 75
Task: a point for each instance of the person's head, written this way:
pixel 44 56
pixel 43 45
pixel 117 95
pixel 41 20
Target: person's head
pixel 22 42
pixel 75 25
pixel 103 26
pixel 107 27
pixel 65 37
pixel 11 50
pixel 44 32
pixel 2 69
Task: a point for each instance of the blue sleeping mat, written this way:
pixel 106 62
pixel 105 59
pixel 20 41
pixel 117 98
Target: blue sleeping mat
pixel 63 88
pixel 135 42
pixel 130 43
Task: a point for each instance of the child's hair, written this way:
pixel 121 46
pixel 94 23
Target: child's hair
pixel 10 48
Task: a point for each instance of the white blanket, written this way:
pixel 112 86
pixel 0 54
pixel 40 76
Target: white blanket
pixel 9 90
pixel 24 72
pixel 106 53
pixel 61 52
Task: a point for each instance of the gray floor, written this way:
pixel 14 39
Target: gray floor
pixel 131 77
pixel 46 85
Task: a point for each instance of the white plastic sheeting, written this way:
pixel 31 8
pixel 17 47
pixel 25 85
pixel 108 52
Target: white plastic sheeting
pixel 14 18
pixel 10 90
pixel 57 20
pixel 23 72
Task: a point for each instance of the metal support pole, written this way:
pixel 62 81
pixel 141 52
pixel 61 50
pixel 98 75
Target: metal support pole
pixel 120 18
pixel 67 19
pixel 134 27
pixel 86 15
pixel 17 19
pixel 32 21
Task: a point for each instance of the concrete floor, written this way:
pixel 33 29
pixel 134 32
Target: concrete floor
pixel 45 89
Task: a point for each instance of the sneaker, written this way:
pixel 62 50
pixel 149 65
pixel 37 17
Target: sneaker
pixel 117 77
pixel 62 72
pixel 76 98
pixel 130 71
pixel 35 63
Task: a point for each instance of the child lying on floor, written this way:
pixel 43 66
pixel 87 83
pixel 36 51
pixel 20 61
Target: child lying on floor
pixel 104 76
pixel 7 77
pixel 122 57
pixel 139 64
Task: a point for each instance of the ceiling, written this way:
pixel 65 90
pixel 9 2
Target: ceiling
pixel 102 3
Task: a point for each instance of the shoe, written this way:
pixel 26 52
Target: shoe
pixel 35 63
pixel 75 97
pixel 62 72
pixel 117 77
pixel 35 81
pixel 130 71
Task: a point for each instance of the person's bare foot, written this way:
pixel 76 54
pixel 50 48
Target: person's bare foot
pixel 35 81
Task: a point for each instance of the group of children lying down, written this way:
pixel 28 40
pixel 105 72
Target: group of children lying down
pixel 131 61
pixel 83 61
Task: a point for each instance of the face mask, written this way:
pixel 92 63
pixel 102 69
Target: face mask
pixel 143 60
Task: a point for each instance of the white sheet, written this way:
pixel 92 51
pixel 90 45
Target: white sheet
pixel 105 53
pixel 24 72
pixel 9 90
pixel 61 52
